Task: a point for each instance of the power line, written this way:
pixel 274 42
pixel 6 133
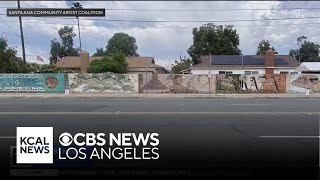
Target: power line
pixel 201 21
pixel 17 34
pixel 260 25
pixel 210 10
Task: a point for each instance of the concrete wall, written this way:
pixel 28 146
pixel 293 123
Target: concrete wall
pixel 300 83
pixel 175 83
pixel 236 83
pixel 103 83
pixel 159 83
pixel 32 83
pixel 242 71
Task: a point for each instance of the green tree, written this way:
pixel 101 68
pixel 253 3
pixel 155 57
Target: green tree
pixel 180 65
pixel 214 39
pixel 264 46
pixel 65 47
pixel 9 62
pixel 99 52
pixel 307 52
pixel 116 64
pixel 122 43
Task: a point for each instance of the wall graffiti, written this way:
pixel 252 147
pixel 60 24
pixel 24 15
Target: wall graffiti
pixel 32 83
pixel 103 83
pixel 175 83
pixel 300 83
pixel 235 83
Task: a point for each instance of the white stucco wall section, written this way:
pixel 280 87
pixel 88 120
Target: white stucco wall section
pixel 242 71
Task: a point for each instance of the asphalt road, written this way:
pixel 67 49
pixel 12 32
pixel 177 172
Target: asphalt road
pixel 194 133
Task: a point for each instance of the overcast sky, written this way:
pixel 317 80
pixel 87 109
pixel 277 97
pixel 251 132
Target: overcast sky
pixel 165 40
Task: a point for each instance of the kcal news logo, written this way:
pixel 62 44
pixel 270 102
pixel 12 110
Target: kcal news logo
pixel 109 146
pixel 34 145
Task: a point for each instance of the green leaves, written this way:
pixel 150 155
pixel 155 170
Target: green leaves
pixel 307 52
pixel 65 46
pixel 99 52
pixel 180 65
pixel 264 46
pixel 116 64
pixel 214 39
pixel 122 43
pixel 9 62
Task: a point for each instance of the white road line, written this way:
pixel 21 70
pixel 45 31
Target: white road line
pixel 7 137
pixel 155 113
pixel 251 104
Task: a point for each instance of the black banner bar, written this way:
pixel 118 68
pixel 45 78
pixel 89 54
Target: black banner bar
pixel 42 12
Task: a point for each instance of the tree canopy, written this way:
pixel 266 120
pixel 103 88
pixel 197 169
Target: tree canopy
pixel 122 43
pixel 99 52
pixel 65 47
pixel 264 46
pixel 307 52
pixel 214 39
pixel 116 64
pixel 180 65
pixel 9 62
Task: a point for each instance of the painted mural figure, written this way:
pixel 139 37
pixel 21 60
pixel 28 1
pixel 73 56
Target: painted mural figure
pixel 177 85
pixel 302 83
pixel 107 83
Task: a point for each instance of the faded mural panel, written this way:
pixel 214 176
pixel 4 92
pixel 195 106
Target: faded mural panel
pixel 300 83
pixel 103 83
pixel 174 83
pixel 32 83
pixel 236 83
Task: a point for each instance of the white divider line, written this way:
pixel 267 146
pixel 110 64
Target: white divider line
pixel 7 137
pixel 155 113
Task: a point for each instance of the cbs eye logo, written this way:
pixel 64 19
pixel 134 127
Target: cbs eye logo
pixel 65 139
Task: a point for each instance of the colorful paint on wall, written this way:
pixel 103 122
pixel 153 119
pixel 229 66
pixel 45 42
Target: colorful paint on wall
pixel 235 83
pixel 175 83
pixel 103 83
pixel 32 83
pixel 300 83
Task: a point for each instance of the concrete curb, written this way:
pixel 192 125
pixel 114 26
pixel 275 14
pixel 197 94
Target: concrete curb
pixel 164 96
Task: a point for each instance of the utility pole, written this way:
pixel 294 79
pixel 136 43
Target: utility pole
pixel 146 80
pixel 209 74
pixel 79 34
pixel 22 39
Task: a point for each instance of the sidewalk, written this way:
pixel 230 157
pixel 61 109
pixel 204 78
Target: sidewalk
pixel 181 96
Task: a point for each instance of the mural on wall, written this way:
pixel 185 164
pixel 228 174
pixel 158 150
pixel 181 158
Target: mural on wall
pixel 41 83
pixel 236 83
pixel 300 83
pixel 103 83
pixel 175 83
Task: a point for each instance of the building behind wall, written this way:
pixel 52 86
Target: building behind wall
pixel 309 68
pixel 136 65
pixel 248 64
